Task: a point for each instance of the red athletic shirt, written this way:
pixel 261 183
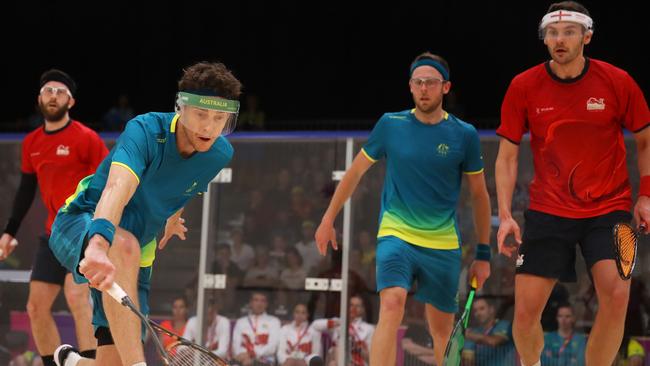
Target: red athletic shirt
pixel 576 136
pixel 60 159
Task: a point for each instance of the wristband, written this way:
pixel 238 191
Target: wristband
pixel 483 252
pixel 102 227
pixel 644 186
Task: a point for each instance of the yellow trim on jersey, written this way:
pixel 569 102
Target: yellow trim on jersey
pixel 443 238
pixel 172 128
pixel 476 172
pixel 368 156
pixel 81 186
pixel 128 168
pixel 148 254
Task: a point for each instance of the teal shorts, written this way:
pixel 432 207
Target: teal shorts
pixel 68 239
pixel 401 264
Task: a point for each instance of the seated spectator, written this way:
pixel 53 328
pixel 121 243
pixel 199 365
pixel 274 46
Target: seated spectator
pixel 293 276
pixel 216 336
pixel 417 342
pixel 359 334
pixel 278 253
pixel 116 118
pixel 298 340
pixel 241 252
pixel 234 276
pixel 256 336
pixel 631 353
pixel 490 343
pixel 307 246
pixel 261 274
pixel 178 321
pixel 565 346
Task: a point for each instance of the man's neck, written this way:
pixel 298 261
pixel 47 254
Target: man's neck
pixel 430 118
pixel 570 70
pixel 565 333
pixel 56 125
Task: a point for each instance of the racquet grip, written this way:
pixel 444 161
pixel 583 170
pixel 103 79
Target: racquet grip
pixel 474 283
pixel 116 292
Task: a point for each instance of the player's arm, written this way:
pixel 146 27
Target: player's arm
pixel 642 207
pixel 325 232
pixel 415 349
pixel 22 202
pixel 493 340
pixel 506 177
pixel 175 226
pixel 480 268
pixel 120 187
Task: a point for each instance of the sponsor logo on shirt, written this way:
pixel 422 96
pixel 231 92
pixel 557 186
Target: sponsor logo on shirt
pixel 189 190
pixel 63 150
pixel 596 104
pixel 544 109
pixel 161 138
pixel 520 260
pixel 35 153
pixel 442 149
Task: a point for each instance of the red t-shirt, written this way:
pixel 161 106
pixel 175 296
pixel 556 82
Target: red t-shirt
pixel 60 159
pixel 576 136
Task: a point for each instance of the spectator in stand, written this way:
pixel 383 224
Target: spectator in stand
pixel 116 118
pixel 241 253
pixel 262 273
pixel 490 343
pixel 178 321
pixel 216 335
pixel 256 336
pixel 565 346
pixel 298 340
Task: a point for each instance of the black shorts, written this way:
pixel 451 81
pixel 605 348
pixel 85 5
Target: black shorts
pixel 46 267
pixel 548 246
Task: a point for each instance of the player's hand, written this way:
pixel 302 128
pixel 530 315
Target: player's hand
pixel 96 266
pixel 324 235
pixel 642 213
pixel 481 270
pixel 507 227
pixel 7 245
pixel 175 226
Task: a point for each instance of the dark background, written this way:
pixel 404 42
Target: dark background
pixel 307 61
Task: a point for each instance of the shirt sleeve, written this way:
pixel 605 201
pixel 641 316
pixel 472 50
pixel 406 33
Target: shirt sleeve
pixel 190 329
pixel 514 120
pixel 375 148
pixel 502 328
pixel 316 338
pixel 282 346
pixel 131 149
pixel 97 151
pixel 223 332
pixel 473 162
pixel 636 115
pixel 237 339
pixel 25 162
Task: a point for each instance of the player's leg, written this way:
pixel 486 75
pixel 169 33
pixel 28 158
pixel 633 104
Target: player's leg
pixel 125 327
pixel 45 284
pixel 394 277
pixel 546 255
pixel 39 308
pixel 441 325
pixel 613 292
pixel 437 278
pixel 78 299
pixel 531 294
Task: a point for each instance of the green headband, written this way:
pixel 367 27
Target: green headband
pixel 207 102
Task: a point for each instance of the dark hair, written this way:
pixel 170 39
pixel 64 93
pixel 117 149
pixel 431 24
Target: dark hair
pixel 429 55
pixel 212 76
pixel 564 305
pixel 568 5
pixel 296 253
pixel 60 76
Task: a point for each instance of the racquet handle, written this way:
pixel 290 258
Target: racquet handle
pixel 116 292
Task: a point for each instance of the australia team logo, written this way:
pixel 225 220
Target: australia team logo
pixel 442 149
pixel 188 192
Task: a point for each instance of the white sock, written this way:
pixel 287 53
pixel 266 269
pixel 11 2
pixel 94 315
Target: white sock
pixel 72 359
pixel 140 364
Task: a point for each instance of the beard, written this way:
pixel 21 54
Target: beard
pixel 430 106
pixel 55 115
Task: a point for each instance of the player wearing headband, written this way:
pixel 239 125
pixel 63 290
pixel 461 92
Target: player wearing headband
pixel 107 230
pixel 427 152
pixel 55 157
pixel 574 108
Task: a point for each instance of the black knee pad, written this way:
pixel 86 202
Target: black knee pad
pixel 104 337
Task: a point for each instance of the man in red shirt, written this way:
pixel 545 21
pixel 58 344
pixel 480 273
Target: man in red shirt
pixel 575 109
pixel 57 156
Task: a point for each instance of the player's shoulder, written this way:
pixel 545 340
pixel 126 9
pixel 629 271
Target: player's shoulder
pixel 465 127
pixel 223 146
pixel 530 75
pixel 153 122
pixel 80 128
pixel 600 66
pixel 38 131
pixel 404 115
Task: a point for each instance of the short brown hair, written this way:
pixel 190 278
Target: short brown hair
pixel 212 76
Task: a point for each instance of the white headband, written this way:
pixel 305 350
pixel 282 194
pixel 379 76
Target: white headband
pixel 566 16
